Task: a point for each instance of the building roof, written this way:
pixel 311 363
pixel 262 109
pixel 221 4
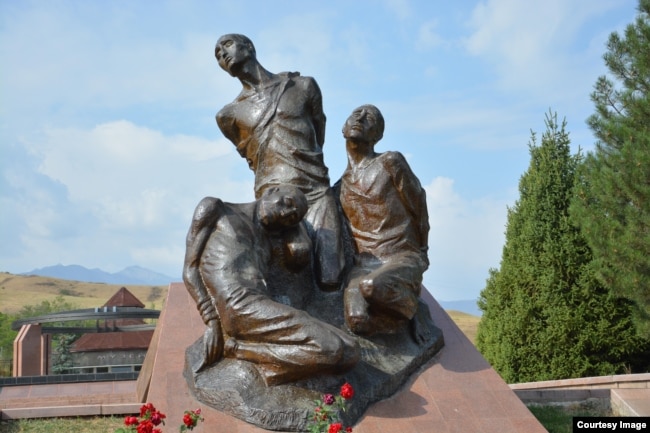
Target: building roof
pixel 123 298
pixel 102 341
pixel 130 340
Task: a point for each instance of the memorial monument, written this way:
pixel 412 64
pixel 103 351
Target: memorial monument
pixel 310 285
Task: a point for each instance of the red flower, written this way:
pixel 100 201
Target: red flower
pixel 335 427
pixel 187 420
pixel 328 399
pixel 130 420
pixel 147 408
pixel 347 392
pixel 348 429
pixel 157 418
pixel 145 426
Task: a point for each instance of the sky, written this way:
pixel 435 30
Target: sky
pixel 108 139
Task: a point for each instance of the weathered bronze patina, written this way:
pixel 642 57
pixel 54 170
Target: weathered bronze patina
pixel 277 124
pixel 310 285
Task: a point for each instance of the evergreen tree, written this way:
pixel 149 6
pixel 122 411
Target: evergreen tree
pixel 544 314
pixel 612 204
pixel 61 357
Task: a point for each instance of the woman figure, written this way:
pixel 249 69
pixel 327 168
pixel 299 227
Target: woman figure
pixel 277 124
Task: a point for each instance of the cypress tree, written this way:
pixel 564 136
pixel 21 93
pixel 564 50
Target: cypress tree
pixel 545 316
pixel 612 204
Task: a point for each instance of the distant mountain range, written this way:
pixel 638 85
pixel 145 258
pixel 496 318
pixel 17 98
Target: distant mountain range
pixel 134 275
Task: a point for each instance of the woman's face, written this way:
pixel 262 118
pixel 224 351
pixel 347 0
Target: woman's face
pixel 279 207
pixel 232 53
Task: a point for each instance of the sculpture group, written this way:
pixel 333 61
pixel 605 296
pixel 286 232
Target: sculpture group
pixel 311 281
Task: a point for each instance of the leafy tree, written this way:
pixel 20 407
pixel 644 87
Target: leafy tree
pixel 57 305
pixel 7 337
pixel 612 204
pixel 544 314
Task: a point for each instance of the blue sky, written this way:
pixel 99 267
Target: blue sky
pixel 108 138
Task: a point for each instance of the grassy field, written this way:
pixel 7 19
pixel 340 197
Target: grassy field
pixel 17 291
pixel 64 425
pixel 559 419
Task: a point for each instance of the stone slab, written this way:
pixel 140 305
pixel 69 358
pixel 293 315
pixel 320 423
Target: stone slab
pixel 71 411
pixel 631 401
pixel 68 399
pixel 457 391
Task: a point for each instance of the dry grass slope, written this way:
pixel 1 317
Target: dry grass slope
pixel 17 291
pixel 466 322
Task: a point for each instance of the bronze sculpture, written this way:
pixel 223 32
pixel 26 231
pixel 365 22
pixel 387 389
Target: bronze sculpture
pixel 386 208
pixel 226 270
pixel 277 124
pixel 264 275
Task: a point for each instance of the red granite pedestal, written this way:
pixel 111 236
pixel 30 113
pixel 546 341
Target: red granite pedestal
pixel 457 391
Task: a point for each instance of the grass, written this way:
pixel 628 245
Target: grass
pixel 559 419
pixel 466 322
pixel 97 424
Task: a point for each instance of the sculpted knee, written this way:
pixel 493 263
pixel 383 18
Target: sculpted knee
pixel 367 287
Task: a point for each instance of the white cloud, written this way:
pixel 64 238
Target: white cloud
pixel 465 240
pixel 117 184
pixel 121 152
pixel 428 35
pixel 469 122
pixel 400 8
pixel 532 44
pixel 78 63
pixel 307 48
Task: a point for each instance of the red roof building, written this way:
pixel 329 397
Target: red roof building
pixel 120 347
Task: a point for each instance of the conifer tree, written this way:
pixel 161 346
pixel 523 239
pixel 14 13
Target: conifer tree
pixel 544 314
pixel 612 204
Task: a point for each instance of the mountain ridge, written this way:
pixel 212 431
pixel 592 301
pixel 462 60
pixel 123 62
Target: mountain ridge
pixel 129 275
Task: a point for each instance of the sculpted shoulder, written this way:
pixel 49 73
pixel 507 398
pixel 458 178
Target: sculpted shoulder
pixel 306 83
pixel 391 159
